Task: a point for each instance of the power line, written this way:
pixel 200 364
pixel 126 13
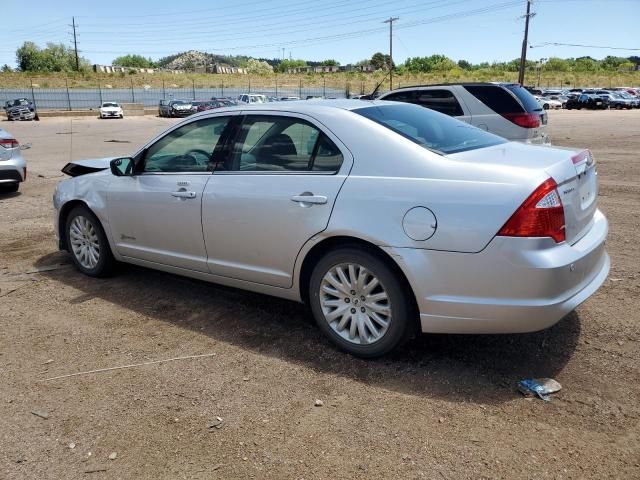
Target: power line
pixel 557 44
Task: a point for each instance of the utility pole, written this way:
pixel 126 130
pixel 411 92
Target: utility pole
pixel 282 53
pixel 75 42
pixel 390 22
pixel 523 54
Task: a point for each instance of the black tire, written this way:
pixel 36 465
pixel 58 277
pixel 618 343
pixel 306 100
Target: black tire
pixel 9 188
pixel 106 263
pixel 403 316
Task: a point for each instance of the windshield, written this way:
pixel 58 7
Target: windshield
pixel 109 104
pixel 430 129
pixel 179 102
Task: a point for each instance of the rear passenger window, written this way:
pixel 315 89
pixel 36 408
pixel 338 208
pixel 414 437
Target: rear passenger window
pixel 408 96
pixel 496 98
pixel 283 144
pixel 442 101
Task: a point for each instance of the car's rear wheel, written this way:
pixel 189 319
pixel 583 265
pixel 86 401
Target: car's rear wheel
pixel 360 303
pixel 88 243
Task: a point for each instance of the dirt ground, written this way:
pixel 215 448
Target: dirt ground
pixel 444 407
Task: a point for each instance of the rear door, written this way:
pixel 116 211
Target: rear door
pixel 274 192
pixel 444 101
pixel 439 99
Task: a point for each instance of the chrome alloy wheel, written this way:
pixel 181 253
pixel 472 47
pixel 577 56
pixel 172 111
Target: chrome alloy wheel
pixel 355 304
pixel 84 242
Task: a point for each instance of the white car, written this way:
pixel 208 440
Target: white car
pixel 111 110
pixel 504 109
pixel 252 98
pixel 549 103
pixel 385 217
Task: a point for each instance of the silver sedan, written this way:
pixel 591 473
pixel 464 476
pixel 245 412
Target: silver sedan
pixel 386 218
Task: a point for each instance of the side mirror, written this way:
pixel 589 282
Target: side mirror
pixel 122 167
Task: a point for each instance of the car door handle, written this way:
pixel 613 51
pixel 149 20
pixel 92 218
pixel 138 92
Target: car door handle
pixel 309 198
pixel 184 194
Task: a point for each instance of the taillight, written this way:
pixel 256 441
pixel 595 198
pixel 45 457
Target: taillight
pixel 9 143
pixel 524 120
pixel 541 215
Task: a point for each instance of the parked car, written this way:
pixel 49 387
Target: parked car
pixel 251 98
pixel 616 100
pixel 289 99
pixel 560 98
pixel 505 109
pixel 202 105
pixel 20 109
pixel 13 168
pixel 111 110
pixel 588 101
pixel 465 232
pixel 634 101
pixel 548 103
pixel 174 108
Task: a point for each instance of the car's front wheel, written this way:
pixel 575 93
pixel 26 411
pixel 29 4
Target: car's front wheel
pixel 87 243
pixel 360 303
pixel 10 188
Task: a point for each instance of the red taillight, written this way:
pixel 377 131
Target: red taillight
pixel 9 143
pixel 541 215
pixel 524 120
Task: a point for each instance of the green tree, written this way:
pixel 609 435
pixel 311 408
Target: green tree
pixel 612 63
pixel 6 68
pixel 53 58
pixel 555 64
pixel 380 61
pixel 284 65
pixel 257 66
pixel 134 61
pixel 586 64
pixel 329 63
pixel 463 64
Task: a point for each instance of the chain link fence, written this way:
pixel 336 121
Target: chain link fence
pixel 91 98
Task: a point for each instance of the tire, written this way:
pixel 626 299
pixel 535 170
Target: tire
pixel 9 188
pixel 351 334
pixel 88 229
pixel 545 106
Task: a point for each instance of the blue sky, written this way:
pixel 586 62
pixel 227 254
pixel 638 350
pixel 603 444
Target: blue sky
pixel 346 30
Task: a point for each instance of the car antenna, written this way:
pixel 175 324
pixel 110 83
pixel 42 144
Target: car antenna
pixel 372 95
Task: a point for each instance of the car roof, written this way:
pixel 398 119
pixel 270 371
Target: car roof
pixel 301 106
pixel 486 84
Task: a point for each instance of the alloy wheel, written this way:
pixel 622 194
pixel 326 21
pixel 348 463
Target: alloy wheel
pixel 355 304
pixel 85 243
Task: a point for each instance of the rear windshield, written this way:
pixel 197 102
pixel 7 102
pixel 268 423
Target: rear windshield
pixel 429 129
pixel 528 101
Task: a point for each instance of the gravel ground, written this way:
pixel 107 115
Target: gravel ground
pixel 444 407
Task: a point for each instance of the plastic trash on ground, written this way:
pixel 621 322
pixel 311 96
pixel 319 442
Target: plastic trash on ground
pixel 539 387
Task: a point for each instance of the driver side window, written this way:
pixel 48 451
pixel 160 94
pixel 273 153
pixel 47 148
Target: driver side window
pixel 186 149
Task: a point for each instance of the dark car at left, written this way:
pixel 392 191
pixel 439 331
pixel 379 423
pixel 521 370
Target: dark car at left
pixel 20 109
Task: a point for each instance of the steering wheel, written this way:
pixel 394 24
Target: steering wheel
pixel 200 156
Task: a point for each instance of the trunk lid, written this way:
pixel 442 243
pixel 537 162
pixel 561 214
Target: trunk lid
pixel 573 170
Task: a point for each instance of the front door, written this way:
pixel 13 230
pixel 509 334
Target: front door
pixel 155 215
pixel 272 194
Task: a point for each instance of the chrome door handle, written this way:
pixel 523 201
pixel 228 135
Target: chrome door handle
pixel 184 194
pixel 309 198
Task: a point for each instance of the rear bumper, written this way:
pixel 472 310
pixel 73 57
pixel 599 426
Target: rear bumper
pixel 13 170
pixel 514 285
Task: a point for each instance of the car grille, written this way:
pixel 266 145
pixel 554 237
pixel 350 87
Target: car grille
pixel 17 113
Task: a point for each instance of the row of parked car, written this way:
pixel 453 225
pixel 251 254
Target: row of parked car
pixel 184 108
pixel 594 99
